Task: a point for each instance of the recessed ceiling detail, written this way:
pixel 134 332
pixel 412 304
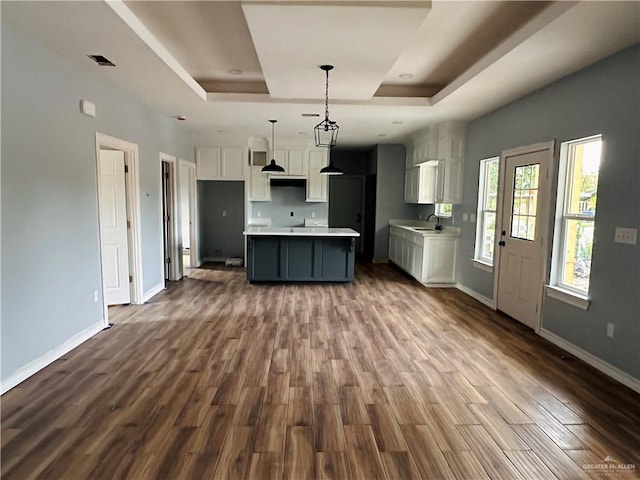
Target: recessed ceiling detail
pixel 346 35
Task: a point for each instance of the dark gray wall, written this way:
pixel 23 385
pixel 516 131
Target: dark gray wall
pixel 221 210
pixel 390 163
pixel 285 200
pixel 603 98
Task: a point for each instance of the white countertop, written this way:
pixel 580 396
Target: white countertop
pixel 425 228
pixel 302 231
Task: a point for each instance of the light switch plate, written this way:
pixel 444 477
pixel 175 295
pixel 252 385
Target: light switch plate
pixel 628 236
pixel 472 217
pixel 465 217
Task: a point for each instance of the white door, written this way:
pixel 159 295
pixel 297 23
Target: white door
pixel 113 228
pixel 524 220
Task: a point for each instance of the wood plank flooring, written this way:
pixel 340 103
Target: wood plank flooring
pixel 378 379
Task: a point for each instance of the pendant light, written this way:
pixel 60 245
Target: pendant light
pixel 326 132
pixel 330 169
pixel 272 167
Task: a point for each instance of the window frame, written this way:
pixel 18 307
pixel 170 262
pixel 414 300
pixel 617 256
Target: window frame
pixel 481 261
pixel 557 288
pixel 440 213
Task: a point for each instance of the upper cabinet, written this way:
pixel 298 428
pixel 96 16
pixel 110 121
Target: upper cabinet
pixel 220 163
pixel 294 162
pixel 317 183
pixel 435 175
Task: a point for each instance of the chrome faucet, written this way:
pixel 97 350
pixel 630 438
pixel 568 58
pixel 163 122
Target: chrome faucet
pixel 438 226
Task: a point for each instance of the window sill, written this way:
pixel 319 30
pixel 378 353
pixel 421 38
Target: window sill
pixel 487 267
pixel 566 296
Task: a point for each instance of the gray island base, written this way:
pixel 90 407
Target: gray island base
pixel 300 254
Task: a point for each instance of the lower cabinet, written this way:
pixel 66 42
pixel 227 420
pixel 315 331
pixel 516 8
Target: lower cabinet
pixel 429 258
pixel 300 259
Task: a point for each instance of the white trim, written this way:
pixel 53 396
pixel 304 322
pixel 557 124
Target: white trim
pixel 487 267
pixel 132 188
pixel 596 362
pixel 175 247
pixel 567 296
pixel 542 203
pixel 51 356
pixel 473 294
pixel 214 259
pixel 189 168
pixel 154 291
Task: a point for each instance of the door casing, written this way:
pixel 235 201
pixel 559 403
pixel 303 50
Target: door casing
pixel 545 217
pixel 132 187
pixel 174 246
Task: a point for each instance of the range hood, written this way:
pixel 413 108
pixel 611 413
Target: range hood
pixel 300 182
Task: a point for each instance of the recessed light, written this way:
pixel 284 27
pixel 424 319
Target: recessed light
pixel 405 76
pixel 234 71
pixel 310 114
pixel 382 134
pixel 181 117
pixel 303 133
pixel 102 60
pixel 221 131
pixel 396 122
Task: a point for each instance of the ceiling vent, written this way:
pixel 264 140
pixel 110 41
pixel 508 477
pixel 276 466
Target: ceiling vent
pixel 310 114
pixel 102 61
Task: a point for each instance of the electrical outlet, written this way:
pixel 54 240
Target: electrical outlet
pixel 472 217
pixel 224 213
pixel 419 216
pixel 95 296
pixel 628 236
pixel 610 329
pixel 258 214
pixel 465 217
pixel 313 214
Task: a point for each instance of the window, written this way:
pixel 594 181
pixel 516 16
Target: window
pixel 443 209
pixel 487 203
pixel 575 214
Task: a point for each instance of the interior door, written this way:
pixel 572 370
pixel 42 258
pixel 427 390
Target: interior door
pixel 113 228
pixel 345 204
pixel 524 220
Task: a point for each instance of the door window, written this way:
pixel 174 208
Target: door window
pixel 525 202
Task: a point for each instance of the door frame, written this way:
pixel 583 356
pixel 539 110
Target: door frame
pixel 189 168
pixel 132 193
pixel 175 272
pixel 362 178
pixel 545 203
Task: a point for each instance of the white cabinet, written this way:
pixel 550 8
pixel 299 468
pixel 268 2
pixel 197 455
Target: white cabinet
pixel 412 185
pixel 220 163
pixel 430 258
pixel 317 183
pixel 259 188
pixel 439 155
pixel 293 161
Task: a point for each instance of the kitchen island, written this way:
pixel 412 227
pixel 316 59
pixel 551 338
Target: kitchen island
pixel 300 254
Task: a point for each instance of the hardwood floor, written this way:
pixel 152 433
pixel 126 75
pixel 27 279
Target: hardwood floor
pixel 378 379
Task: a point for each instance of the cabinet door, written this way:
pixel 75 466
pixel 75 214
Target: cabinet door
pixel 452 182
pixel 428 183
pixel 317 183
pixel 260 189
pixel 208 163
pixel 393 241
pixel 232 163
pixel 297 164
pixel 407 185
pixel 416 265
pixel 440 260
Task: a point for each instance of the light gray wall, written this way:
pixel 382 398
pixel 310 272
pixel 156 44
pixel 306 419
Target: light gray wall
pixel 221 210
pixel 50 245
pixel 390 163
pixel 603 98
pixel 285 200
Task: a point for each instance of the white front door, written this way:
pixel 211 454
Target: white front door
pixel 113 228
pixel 522 232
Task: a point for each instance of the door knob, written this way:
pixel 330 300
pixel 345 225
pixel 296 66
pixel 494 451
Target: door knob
pixel 501 243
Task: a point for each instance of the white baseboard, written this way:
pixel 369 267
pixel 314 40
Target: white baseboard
pixel 596 362
pixel 153 292
pixel 213 260
pixel 481 298
pixel 39 363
